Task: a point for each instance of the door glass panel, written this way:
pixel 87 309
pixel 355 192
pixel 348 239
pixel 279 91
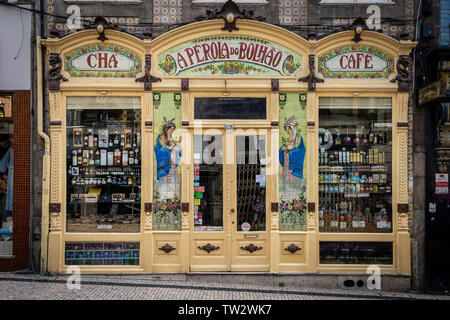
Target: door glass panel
pixel 230 108
pixel 208 183
pixel 251 183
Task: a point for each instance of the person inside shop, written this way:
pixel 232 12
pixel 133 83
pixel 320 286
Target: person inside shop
pixel 259 209
pixel 6 194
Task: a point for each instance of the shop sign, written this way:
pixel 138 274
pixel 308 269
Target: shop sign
pixel 433 91
pixel 102 60
pixel 441 183
pixel 229 56
pixel 356 62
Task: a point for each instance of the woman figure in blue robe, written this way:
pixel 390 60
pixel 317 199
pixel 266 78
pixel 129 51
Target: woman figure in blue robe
pixel 292 156
pixel 168 154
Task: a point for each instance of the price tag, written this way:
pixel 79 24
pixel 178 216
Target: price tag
pixel 358 224
pixel 334 224
pixel 383 225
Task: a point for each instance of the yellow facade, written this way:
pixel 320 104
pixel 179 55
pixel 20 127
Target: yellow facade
pixel 187 257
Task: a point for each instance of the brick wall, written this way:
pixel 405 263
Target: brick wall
pixel 22 139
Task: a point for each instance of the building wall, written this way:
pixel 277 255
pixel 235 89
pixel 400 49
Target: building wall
pixel 15 79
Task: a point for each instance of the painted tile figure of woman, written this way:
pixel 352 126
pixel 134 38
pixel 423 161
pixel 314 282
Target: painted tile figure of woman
pixel 168 154
pixel 292 156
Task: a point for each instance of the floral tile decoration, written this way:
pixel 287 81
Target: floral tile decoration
pixel 70 56
pixel 356 74
pixel 167 11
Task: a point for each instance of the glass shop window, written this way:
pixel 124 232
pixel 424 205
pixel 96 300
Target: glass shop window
pixel 208 182
pixel 104 164
pixel 230 108
pixel 6 177
pixel 355 165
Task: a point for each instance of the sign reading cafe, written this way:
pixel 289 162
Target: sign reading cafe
pixel 356 61
pixel 229 56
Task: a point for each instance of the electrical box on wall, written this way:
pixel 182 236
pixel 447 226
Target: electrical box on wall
pixel 427 6
pixel 428 30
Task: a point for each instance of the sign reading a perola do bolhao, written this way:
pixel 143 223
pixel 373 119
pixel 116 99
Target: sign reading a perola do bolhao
pixel 103 60
pixel 356 62
pixel 229 56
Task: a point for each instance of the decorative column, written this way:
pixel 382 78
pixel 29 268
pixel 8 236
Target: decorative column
pixel 312 182
pixel 185 181
pixel 272 174
pixel 147 181
pixel 56 211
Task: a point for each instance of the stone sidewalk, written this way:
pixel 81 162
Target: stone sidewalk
pixel 15 286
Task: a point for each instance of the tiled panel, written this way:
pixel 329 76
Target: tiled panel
pixel 292 12
pixel 167 11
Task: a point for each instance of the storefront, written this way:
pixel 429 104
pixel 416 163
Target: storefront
pixel 208 150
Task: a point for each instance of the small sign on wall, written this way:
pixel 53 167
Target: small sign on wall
pixel 441 183
pixel 5 107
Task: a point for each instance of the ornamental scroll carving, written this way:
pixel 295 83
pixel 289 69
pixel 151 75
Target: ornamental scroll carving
pixel 147 78
pixel 55 221
pixel 230 12
pixel 403 77
pixel 251 248
pixel 208 247
pixel 311 77
pixel 54 75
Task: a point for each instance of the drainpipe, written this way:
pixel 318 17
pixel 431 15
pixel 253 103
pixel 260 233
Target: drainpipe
pixel 45 160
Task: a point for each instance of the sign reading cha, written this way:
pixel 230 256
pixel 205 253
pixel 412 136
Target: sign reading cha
pixel 103 61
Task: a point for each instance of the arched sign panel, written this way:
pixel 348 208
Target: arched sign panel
pixel 356 62
pixel 229 56
pixel 102 60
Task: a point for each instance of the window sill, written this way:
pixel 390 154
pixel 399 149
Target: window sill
pixel 109 1
pixel 239 2
pixel 355 2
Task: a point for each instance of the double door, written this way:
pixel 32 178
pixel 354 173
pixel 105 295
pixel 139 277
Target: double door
pixel 230 185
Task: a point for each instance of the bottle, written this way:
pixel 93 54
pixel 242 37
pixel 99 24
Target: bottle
pixel 371 134
pixel 86 141
pixel 122 140
pixel 116 139
pixel 97 157
pixel 380 139
pixel 136 156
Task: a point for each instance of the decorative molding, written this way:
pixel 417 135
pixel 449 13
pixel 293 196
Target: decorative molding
pixel 292 248
pixel 274 206
pixel 185 207
pixel 185 84
pixel 311 77
pixel 55 221
pixel 358 25
pixel 402 221
pixel 185 123
pixel 311 220
pixel 275 220
pixel 230 12
pixel 274 123
pixel 251 248
pixel 54 75
pixel 275 84
pixel 311 123
pixel 404 76
pixel 100 24
pixel 148 79
pixel 208 248
pixel 403 167
pixel 402 124
pixel 148 123
pixel 311 207
pixel 402 208
pixel 148 207
pixel 54 207
pixel 167 248
pixel 54 165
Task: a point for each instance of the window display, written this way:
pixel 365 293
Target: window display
pixel 208 183
pixel 98 253
pixel 355 165
pixel 104 164
pixel 6 186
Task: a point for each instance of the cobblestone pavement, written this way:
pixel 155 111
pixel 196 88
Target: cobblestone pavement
pixel 151 287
